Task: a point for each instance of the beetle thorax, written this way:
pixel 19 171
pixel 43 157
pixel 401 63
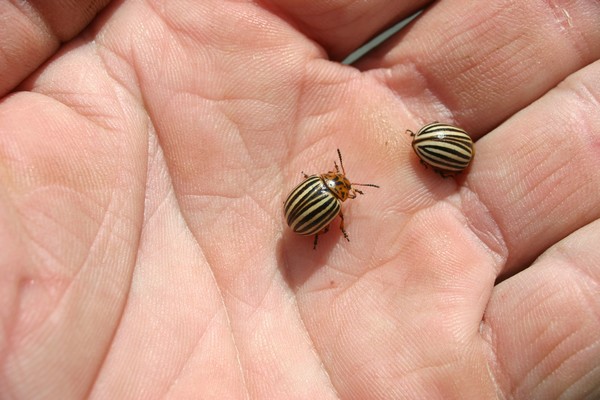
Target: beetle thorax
pixel 338 184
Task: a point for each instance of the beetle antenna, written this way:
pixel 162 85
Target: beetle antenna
pixel 365 184
pixel 341 163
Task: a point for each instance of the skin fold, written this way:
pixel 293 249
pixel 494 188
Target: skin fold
pixel 146 150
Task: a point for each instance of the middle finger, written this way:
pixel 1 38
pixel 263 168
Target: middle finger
pixel 479 63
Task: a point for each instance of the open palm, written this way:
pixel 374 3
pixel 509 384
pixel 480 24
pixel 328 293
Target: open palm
pixel 144 166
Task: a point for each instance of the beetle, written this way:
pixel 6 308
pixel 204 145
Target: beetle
pixel 446 148
pixel 315 202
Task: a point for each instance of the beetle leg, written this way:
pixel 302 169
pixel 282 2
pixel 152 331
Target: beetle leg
pixel 305 176
pixel 357 191
pixel 342 226
pixel 322 232
pixel 445 174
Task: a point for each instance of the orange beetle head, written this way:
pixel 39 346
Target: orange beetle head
pixel 338 184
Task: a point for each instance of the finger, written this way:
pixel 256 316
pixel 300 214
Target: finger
pixel 342 26
pixel 32 31
pixel 542 324
pixel 478 63
pixel 538 175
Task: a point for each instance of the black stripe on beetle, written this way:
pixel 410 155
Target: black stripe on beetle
pixel 446 148
pixel 315 202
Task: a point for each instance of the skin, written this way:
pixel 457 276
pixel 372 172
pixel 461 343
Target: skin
pixel 146 149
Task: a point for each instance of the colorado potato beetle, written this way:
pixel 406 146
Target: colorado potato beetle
pixel 315 202
pixel 446 148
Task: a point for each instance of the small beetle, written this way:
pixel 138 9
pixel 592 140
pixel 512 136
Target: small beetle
pixel 314 203
pixel 446 148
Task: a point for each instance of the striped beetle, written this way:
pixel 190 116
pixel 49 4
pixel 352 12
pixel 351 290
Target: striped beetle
pixel 446 148
pixel 315 202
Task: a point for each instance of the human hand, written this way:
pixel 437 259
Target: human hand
pixel 144 167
